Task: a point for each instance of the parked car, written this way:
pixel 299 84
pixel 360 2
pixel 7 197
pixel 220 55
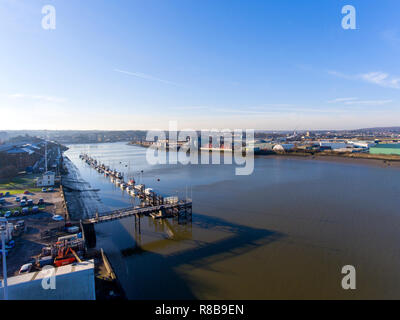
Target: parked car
pixel 41 201
pixel 16 213
pixel 20 225
pixel 2 200
pixel 57 218
pixel 7 194
pixel 50 189
pixel 17 199
pixel 44 190
pixel 23 203
pixel 35 209
pixel 30 202
pixel 73 229
pixel 24 198
pixel 25 211
pixel 26 268
pixel 8 214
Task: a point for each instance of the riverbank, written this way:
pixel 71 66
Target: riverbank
pixel 82 201
pixel 381 161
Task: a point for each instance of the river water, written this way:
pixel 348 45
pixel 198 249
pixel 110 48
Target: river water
pixel 284 232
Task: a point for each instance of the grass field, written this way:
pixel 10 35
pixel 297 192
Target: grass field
pixel 19 184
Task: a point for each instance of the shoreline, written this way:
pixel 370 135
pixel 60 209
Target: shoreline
pixel 372 161
pixel 383 161
pixel 82 203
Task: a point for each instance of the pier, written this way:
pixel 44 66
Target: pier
pixel 181 209
pixel 152 204
pixel 147 195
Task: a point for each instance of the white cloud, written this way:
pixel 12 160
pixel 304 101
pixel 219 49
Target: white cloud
pixel 146 76
pixel 369 102
pixel 357 101
pixel 41 98
pixel 342 100
pixel 379 78
pixel 382 79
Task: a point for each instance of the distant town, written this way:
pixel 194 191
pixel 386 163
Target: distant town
pixel 24 150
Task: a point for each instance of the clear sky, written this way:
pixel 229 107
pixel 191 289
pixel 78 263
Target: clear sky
pixel 136 64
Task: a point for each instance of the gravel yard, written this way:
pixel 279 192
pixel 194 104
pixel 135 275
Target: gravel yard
pixel 29 243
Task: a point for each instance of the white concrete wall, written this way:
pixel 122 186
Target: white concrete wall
pixel 72 283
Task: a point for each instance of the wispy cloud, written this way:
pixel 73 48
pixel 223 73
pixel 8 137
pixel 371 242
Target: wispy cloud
pixel 275 110
pixel 357 101
pixel 41 98
pixel 379 78
pixel 382 79
pixel 369 102
pixel 191 108
pixel 147 77
pixel 342 100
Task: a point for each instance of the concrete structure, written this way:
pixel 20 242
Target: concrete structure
pixel 47 180
pixel 332 145
pixel 259 146
pixel 392 148
pixel 362 144
pixel 283 147
pixel 72 282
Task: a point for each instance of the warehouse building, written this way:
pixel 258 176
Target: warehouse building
pixel 390 148
pixel 71 282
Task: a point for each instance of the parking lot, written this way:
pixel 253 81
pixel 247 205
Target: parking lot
pixel 29 243
pixel 51 203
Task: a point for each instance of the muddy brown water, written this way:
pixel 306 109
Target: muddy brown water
pixel 284 232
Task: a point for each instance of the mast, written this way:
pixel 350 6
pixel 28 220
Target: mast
pixel 45 155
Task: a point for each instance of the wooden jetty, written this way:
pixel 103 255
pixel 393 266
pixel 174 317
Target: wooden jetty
pixel 148 196
pixel 151 204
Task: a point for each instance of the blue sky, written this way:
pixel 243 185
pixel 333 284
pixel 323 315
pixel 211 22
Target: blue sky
pixel 132 64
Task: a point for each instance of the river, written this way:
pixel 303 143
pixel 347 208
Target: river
pixel 284 232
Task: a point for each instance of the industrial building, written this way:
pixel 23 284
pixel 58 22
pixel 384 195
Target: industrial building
pixel 283 147
pixel 46 180
pixel 71 282
pixel 389 148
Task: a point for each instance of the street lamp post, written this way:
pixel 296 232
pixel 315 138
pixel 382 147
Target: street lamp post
pixel 3 229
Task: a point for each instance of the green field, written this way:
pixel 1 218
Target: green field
pixel 19 184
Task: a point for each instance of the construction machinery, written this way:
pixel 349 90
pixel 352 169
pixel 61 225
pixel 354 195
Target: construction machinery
pixel 66 256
